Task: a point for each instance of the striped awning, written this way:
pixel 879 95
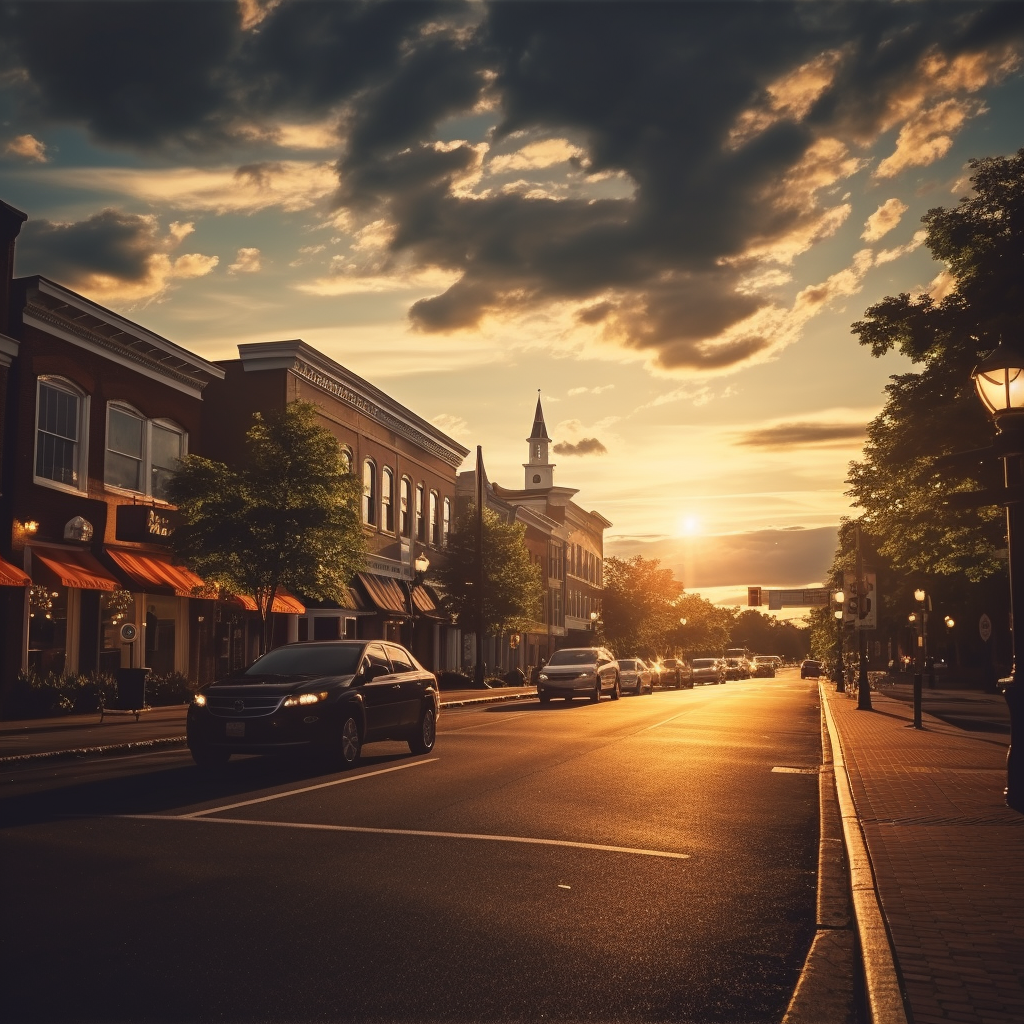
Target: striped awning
pixel 284 603
pixel 12 576
pixel 423 601
pixel 157 571
pixel 75 568
pixel 385 593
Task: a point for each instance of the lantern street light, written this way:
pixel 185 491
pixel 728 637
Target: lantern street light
pixel 920 622
pixel 839 673
pixel 999 379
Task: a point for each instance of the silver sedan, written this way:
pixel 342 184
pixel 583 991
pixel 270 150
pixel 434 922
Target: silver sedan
pixel 635 676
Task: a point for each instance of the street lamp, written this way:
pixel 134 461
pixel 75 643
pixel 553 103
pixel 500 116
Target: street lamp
pixel 999 379
pixel 919 620
pixel 840 673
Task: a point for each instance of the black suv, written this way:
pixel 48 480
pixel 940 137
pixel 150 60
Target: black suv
pixel 327 698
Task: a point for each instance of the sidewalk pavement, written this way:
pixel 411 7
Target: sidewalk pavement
pixel 84 735
pixel 946 853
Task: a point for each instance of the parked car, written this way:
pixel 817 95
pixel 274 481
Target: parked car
pixel 707 671
pixel 634 676
pixel 764 666
pixel 588 671
pixel 737 668
pixel 655 669
pixel 810 669
pixel 677 673
pixel 328 698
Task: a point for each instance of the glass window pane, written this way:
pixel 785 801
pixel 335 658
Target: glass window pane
pixel 123 471
pixel 124 433
pixel 57 435
pixel 167 447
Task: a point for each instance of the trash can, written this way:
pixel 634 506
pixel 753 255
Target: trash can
pixel 131 691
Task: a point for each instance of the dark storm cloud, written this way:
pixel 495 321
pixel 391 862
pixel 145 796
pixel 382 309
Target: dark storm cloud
pixel 788 435
pixel 587 446
pixel 649 91
pixel 111 242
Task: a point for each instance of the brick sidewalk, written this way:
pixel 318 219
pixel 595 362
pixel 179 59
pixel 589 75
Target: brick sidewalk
pixel 948 858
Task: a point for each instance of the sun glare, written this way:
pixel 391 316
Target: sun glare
pixel 688 526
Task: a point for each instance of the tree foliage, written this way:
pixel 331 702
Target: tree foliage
pixel 286 516
pixel 934 411
pixel 512 581
pixel 708 627
pixel 638 605
pixel 766 634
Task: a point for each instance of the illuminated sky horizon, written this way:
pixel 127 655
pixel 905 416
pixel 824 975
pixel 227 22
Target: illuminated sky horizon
pixel 664 216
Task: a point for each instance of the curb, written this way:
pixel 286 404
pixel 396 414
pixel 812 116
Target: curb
pixel 141 746
pixel 885 998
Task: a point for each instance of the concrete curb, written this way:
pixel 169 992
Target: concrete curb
pixel 885 998
pixel 141 746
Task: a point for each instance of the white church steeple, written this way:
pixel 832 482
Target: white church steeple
pixel 539 472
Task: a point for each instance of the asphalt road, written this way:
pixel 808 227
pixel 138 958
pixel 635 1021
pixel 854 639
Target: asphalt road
pixel 636 860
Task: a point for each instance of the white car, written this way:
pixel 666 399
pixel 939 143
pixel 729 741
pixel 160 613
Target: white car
pixel 586 671
pixel 635 676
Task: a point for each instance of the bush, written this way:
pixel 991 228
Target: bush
pixel 163 691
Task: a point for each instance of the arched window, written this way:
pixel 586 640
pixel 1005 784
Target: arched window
pixel 61 418
pixel 421 527
pixel 369 492
pixel 446 522
pixel 435 530
pixel 141 454
pixel 405 507
pixel 346 458
pixel 387 500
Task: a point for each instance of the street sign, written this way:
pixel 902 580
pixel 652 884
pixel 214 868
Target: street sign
pixel 860 610
pixel 753 597
pixel 985 628
pixel 812 597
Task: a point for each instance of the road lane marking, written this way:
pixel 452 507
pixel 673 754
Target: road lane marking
pixel 305 789
pixel 404 832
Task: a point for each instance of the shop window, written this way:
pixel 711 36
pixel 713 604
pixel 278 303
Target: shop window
pixel 326 627
pixel 387 500
pixel 159 633
pixel 446 522
pixel 369 493
pixel 350 629
pixel 47 629
pixel 61 415
pixel 435 526
pixel 405 507
pixel 421 523
pixel 303 630
pixel 142 455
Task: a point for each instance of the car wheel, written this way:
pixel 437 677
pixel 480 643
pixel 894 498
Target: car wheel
pixel 426 734
pixel 346 754
pixel 209 757
pixel 596 695
pixel 544 697
pixel 616 689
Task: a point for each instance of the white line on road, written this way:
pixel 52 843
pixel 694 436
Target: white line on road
pixel 305 789
pixel 405 832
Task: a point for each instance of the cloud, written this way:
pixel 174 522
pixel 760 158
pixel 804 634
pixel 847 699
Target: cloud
pixel 535 155
pixel 111 256
pixel 884 219
pixel 801 434
pixel 452 425
pixel 888 255
pixel 928 136
pixel 586 446
pixel 26 147
pixel 247 261
pixel 599 389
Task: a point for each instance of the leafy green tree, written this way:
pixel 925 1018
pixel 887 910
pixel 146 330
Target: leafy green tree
pixel 639 611
pixel 934 411
pixel 766 634
pixel 512 581
pixel 286 516
pixel 707 629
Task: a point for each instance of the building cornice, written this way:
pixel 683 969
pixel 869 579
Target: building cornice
pixel 322 372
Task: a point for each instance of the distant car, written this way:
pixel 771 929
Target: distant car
pixel 634 676
pixel 707 671
pixel 676 672
pixel 810 669
pixel 328 698
pixel 737 668
pixel 587 671
pixel 764 666
pixel 655 669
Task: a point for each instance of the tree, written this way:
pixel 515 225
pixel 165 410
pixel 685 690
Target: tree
pixel 638 605
pixel 766 634
pixel 708 627
pixel 286 516
pixel 512 581
pixel 934 412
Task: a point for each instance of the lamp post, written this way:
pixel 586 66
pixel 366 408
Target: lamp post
pixel 420 567
pixel 999 379
pixel 839 674
pixel 917 620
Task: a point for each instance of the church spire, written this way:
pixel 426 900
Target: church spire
pixel 539 472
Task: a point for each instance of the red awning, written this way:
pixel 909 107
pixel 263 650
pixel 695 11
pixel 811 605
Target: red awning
pixel 157 571
pixel 385 593
pixel 284 603
pixel 423 601
pixel 76 568
pixel 12 576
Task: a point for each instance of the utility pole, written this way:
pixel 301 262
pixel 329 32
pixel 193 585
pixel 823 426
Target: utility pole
pixel 478 668
pixel 863 686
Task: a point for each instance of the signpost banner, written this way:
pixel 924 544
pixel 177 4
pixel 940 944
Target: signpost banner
pixel 812 597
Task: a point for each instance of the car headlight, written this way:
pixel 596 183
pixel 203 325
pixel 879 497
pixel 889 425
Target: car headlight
pixel 542 677
pixel 199 699
pixel 297 699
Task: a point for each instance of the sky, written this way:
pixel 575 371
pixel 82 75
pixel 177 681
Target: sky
pixel 665 217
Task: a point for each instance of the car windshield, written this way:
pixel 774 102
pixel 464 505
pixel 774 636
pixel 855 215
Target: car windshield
pixel 571 657
pixel 628 665
pixel 704 663
pixel 308 660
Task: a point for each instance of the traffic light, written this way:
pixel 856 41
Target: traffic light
pixel 753 597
